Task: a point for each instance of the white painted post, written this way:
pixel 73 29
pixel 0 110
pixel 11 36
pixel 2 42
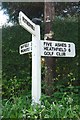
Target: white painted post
pixel 36 66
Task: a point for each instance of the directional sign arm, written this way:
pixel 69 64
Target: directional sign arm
pixel 57 49
pixel 25 48
pixel 26 23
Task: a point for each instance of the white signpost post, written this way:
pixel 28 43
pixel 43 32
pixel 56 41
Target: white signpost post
pixel 41 48
pixel 34 29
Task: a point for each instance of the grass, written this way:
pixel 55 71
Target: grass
pixel 20 107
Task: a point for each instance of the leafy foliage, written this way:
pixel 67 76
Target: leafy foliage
pixel 63 9
pixel 13 62
pixel 15 65
pixel 29 8
pixel 67 31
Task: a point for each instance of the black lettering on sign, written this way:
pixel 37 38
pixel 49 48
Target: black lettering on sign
pixel 26 22
pixel 60 54
pixel 27 49
pixel 69 50
pixel 55 49
pixel 60 44
pixel 45 53
pixel 60 49
pixel 48 53
pixel 64 49
pixel 27 45
pixel 69 45
pixel 51 48
pixel 47 44
pixel 22 47
pixel 45 48
pixel 64 54
pixel 24 50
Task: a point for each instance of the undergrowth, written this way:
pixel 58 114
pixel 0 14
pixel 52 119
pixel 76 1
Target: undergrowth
pixel 67 106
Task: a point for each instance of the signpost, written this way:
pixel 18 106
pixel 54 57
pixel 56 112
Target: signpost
pixel 36 67
pixel 51 48
pixel 57 49
pixel 34 29
pixel 26 23
pixel 25 48
pixel 41 48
